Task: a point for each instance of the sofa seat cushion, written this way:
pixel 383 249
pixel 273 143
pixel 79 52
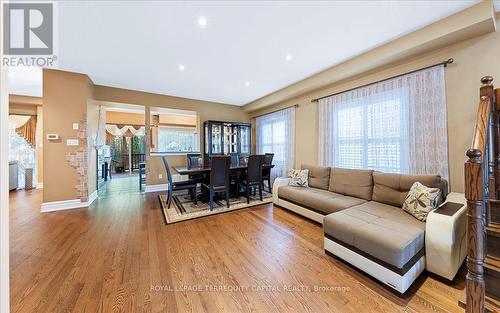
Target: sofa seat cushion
pixel 379 230
pixel 318 200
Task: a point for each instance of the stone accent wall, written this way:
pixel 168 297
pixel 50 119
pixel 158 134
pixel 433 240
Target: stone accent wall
pixel 79 161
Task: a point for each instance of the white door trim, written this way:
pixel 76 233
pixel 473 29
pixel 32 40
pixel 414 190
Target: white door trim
pixel 4 183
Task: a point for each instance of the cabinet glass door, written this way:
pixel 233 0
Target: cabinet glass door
pixel 205 135
pixel 245 139
pixel 216 138
pixel 230 139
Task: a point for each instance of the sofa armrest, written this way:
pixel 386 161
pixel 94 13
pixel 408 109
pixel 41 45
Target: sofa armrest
pixel 445 239
pixel 278 182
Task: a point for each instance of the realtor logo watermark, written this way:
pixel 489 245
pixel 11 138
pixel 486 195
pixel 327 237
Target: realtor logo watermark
pixel 28 34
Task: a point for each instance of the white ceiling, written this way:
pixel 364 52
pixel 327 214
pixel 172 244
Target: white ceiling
pixel 140 45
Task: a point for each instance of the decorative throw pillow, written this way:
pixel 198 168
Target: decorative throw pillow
pixel 298 178
pixel 421 200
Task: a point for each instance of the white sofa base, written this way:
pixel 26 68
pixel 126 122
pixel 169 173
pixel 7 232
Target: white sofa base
pixel 300 210
pixel 446 240
pixel 379 272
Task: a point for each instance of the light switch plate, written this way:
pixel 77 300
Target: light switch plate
pixel 76 126
pixel 160 176
pixel 72 142
pixel 52 137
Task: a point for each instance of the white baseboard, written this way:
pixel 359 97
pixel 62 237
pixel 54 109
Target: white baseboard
pixel 92 198
pixel 67 204
pixel 156 188
pixel 39 186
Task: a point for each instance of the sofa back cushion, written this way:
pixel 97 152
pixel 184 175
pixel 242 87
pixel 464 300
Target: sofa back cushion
pixel 350 182
pixel 319 176
pixel 392 188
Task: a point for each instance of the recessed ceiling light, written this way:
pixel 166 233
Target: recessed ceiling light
pixel 181 67
pixel 288 57
pixel 247 84
pixel 202 21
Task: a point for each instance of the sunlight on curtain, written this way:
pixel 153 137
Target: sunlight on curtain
pixel 398 125
pixel 275 134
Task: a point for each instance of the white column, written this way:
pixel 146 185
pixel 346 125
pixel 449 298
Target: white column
pixel 4 184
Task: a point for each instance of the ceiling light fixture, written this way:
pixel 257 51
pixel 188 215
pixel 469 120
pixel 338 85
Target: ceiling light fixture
pixel 181 67
pixel 247 84
pixel 288 57
pixel 202 21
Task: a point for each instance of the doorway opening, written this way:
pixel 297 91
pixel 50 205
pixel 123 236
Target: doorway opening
pixel 121 161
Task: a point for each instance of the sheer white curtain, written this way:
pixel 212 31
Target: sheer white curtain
pixel 397 125
pixel 275 133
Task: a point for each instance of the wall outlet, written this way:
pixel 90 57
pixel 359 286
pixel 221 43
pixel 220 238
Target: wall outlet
pixel 160 176
pixel 72 142
pixel 76 126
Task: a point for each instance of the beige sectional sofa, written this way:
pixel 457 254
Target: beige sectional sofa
pixel 365 225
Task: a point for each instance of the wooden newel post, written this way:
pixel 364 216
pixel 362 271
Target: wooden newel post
pixel 480 183
pixel 474 193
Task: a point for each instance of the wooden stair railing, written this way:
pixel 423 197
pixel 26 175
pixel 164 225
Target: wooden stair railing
pixel 482 186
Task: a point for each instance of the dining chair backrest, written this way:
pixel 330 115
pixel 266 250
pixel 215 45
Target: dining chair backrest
pixel 193 160
pixel 234 158
pixel 243 160
pixel 167 168
pixel 254 170
pixel 268 158
pixel 219 173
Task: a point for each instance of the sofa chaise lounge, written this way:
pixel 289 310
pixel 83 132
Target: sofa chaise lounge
pixel 365 225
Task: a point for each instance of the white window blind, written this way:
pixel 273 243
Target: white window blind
pixel 275 134
pixel 178 139
pixel 397 125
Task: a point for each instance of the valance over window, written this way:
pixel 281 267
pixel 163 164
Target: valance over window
pixel 25 127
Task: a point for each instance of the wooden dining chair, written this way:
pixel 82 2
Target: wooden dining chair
pixel 219 178
pixel 193 160
pixel 178 185
pixel 266 171
pixel 253 177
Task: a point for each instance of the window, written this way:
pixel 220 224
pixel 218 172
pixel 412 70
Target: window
pixel 369 136
pixel 178 139
pixel 275 134
pixel 397 125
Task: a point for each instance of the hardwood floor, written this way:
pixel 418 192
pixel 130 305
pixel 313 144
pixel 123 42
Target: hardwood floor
pixel 119 256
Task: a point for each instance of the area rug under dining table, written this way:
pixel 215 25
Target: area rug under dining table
pixel 183 208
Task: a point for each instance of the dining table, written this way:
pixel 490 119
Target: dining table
pixel 196 170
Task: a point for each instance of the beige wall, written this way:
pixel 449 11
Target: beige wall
pixel 474 58
pixel 205 110
pixel 65 100
pixel 181 120
pixel 124 118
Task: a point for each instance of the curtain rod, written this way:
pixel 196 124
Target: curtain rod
pixel 444 63
pixel 274 111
